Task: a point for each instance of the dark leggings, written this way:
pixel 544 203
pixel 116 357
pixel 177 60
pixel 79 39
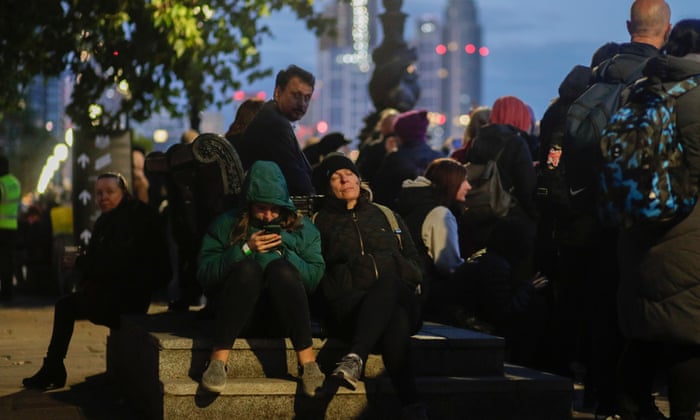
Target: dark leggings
pixel 638 371
pixel 8 239
pixel 99 308
pixel 385 320
pixel 242 304
pixel 683 380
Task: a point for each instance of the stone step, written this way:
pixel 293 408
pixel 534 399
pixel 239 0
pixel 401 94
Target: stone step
pixel 157 360
pixel 519 394
pixel 179 345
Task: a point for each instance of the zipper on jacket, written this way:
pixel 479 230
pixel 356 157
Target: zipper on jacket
pixel 359 234
pixel 362 245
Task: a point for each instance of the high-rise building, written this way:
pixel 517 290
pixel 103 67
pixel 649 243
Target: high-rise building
pixel 461 85
pixel 428 39
pixel 429 65
pixel 341 98
pixel 47 99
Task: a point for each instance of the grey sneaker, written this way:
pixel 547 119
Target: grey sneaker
pixel 214 378
pixel 312 379
pixel 349 369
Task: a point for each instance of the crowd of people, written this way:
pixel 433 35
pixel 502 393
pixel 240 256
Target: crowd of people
pixel 392 243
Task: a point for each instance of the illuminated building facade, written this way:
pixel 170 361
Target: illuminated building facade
pixel 341 98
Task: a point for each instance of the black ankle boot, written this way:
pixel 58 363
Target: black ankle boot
pixel 52 375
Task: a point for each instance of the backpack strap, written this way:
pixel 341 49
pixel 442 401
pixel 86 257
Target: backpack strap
pixel 600 72
pixel 684 86
pixel 391 218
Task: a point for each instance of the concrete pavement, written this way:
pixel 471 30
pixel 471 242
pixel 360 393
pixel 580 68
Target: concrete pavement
pixel 25 329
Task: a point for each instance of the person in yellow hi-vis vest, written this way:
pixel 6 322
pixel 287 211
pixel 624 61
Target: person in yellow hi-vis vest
pixel 10 192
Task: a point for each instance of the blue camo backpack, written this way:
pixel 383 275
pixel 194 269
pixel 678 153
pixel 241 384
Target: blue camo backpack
pixel 644 179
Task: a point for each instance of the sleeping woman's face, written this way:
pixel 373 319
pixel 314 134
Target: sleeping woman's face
pixel 345 185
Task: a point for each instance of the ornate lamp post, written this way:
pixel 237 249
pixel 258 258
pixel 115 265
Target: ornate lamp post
pixel 394 83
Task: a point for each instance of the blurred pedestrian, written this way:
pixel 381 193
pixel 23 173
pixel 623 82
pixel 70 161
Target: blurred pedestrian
pixel 372 150
pixel 329 143
pixel 247 110
pixel 10 193
pixel 478 118
pixel 407 158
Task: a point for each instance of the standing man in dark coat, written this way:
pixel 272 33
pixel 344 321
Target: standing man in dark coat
pixel 270 136
pixel 658 299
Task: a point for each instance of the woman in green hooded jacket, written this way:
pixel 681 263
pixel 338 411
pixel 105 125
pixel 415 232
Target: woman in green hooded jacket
pixel 259 263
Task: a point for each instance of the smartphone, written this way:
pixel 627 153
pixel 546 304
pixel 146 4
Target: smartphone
pixel 273 229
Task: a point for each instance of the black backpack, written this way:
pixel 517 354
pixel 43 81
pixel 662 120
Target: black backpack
pixel 488 200
pixel 586 118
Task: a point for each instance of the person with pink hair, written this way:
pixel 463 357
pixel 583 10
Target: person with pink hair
pixel 503 139
pixel 507 129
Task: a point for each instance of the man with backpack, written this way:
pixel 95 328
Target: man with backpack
pixel 648 26
pixel 659 242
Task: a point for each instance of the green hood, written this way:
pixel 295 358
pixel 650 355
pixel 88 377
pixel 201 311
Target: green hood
pixel 266 184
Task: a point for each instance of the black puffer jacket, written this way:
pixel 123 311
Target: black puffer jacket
pixel 659 293
pixel 359 248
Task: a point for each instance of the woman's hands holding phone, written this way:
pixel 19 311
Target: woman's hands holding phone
pixel 263 241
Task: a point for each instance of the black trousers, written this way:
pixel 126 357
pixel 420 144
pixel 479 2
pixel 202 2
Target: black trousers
pixel 100 306
pixel 8 243
pixel 383 322
pixel 637 372
pixel 254 302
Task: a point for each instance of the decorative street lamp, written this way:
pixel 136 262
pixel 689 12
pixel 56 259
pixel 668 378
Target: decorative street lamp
pixel 394 83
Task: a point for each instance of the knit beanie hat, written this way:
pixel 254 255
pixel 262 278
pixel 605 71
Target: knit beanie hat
pixel 412 126
pixel 511 110
pixel 321 175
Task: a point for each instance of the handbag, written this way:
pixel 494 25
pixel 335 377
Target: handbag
pixel 487 200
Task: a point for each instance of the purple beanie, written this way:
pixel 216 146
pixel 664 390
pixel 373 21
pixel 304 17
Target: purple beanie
pixel 412 126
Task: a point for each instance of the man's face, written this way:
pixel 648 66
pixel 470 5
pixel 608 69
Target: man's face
pixel 293 100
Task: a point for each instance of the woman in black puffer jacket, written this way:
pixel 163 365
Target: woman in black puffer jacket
pixel 371 289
